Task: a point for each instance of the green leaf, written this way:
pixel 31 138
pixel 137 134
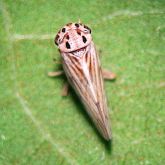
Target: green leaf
pixel 39 126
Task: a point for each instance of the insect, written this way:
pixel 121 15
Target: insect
pixel 82 67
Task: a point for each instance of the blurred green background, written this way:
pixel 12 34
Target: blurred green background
pixel 39 127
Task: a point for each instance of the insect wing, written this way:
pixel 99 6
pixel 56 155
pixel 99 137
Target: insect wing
pixel 83 71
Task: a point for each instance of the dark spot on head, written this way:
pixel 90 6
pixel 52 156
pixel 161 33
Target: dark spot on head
pixel 77 25
pixel 67 45
pixel 57 37
pixel 63 30
pixel 67 37
pixel 84 39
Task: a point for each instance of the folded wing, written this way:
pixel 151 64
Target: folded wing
pixel 83 71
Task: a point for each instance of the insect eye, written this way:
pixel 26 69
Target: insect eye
pixel 87 29
pixel 56 40
pixel 59 40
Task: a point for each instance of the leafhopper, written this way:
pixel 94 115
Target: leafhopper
pixel 82 67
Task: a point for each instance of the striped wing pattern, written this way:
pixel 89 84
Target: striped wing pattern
pixel 83 71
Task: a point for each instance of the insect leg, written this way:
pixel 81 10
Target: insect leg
pixel 65 89
pixel 54 74
pixel 108 75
